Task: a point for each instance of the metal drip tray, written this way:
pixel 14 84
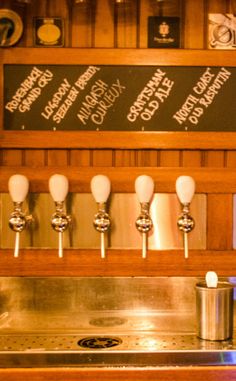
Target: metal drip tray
pixel 81 343
pixel 108 338
pixel 103 322
pixel 149 349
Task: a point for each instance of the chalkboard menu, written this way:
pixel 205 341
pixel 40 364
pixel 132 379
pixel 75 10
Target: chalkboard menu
pixel 119 98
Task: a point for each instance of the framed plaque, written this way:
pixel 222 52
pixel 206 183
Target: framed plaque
pixel 163 32
pixel 48 31
pixel 221 31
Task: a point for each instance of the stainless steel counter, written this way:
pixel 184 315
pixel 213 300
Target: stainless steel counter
pixel 53 322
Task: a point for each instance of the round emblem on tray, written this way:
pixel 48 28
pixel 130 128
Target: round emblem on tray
pixel 99 342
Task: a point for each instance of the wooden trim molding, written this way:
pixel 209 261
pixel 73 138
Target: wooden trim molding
pixel 117 140
pixel 164 373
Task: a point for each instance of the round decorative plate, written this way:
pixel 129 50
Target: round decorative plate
pixel 11 27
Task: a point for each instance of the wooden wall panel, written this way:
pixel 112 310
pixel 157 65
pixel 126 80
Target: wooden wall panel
pixel 82 24
pixel 231 158
pixel 6 4
pixel 148 158
pixel 57 158
pixel 215 158
pixel 219 222
pixel 125 158
pixel 81 158
pixel 216 6
pixel 34 158
pixel 12 157
pixel 169 158
pixel 102 158
pixel 194 24
pixel 145 11
pixel 219 209
pixel 104 24
pixel 191 158
pixel 231 7
pixel 126 24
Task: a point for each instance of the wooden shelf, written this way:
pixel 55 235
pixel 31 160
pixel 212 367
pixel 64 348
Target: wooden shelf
pixel 111 56
pixel 45 262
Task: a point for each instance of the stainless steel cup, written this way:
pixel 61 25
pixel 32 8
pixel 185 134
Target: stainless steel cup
pixel 214 311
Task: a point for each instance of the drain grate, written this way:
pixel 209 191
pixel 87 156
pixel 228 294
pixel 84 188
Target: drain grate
pixel 109 321
pixel 98 342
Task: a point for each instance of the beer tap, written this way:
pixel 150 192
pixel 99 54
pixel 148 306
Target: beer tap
pixel 58 187
pixel 101 187
pixel 185 188
pixel 18 186
pixel 144 188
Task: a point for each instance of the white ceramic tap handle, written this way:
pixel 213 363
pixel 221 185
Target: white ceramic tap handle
pixel 100 188
pixel 185 188
pixel 211 279
pixel 58 187
pixel 18 186
pixel 144 188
